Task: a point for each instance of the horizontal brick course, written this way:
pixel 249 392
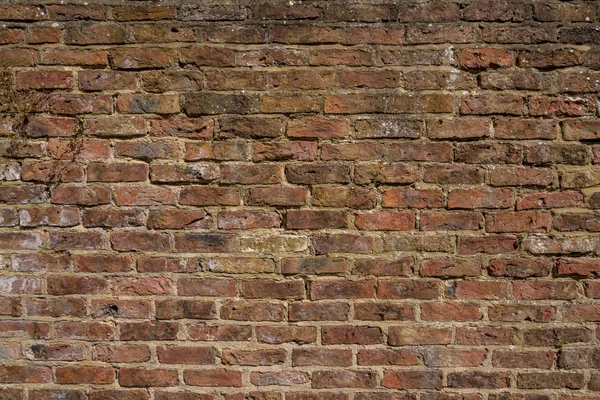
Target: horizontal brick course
pixel 312 200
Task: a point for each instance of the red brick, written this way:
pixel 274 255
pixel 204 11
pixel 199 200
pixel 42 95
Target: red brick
pixel 120 308
pixel 547 11
pixel 385 220
pixel 462 220
pixel 536 33
pixel 165 81
pixel 492 104
pixel 358 13
pixel 285 334
pixel 553 380
pixel 327 357
pixel 23 194
pixel 148 104
pixel 49 216
pixel 253 357
pixel 251 174
pixel 141 286
pixel 441 357
pixel 318 311
pixel 140 13
pixel 350 217
pixel 63 285
pixel 485 58
pixel 23 13
pixel 457 129
pixel 425 289
pixel 178 219
pixel 453 174
pixel 352 151
pixel 204 243
pixel 77 57
pixel 412 379
pixel 344 379
pixel 555 336
pixel 561 106
pixel 248 220
pixel 122 126
pixel 206 287
pixel 77 12
pixel 139 241
pixel 549 58
pixel 241 310
pixel 412 198
pixel 452 267
pixel 545 289
pixel 44 80
pixel 313 265
pixel 25 374
pixel 59 352
pixel 305 34
pixel 183 173
pixel 117 172
pixel 81 374
pixel 521 313
pixel 148 331
pixel 440 152
pixel 343 243
pixel 339 289
pixel 216 151
pixel 549 200
pixel 282 378
pixel 402 357
pixel 37 36
pixel 39 262
pixel 85 330
pixel 559 245
pixel 578 267
pixel 102 263
pixel 440 33
pixel 448 311
pixel 520 267
pixel 126 353
pixel 477 336
pixel 523 221
pixel 193 128
pixel 185 355
pixel 112 218
pixel 143 195
pixel 163 33
pixel 236 34
pixel 277 196
pixel 477 289
pixel 141 377
pixel 213 377
pixel 290 289
pixel 57 393
pixel 341 196
pixel 89 149
pixel 418 335
pixel 383 311
pixel 476 379
pixel 193 309
pixel 289 103
pixel 159 264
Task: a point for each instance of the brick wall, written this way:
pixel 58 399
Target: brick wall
pixel 300 200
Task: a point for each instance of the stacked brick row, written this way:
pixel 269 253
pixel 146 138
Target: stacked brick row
pixel 300 200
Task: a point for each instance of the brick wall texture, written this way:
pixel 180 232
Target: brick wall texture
pixel 303 200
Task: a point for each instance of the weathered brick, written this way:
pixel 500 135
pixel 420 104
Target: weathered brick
pixel 369 200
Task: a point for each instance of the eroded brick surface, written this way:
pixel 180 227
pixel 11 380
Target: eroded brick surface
pixel 303 200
